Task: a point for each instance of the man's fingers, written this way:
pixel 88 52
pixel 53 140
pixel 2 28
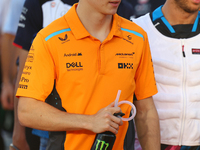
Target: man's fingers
pixel 6 104
pixel 11 100
pixel 111 104
pixel 114 125
pixel 117 120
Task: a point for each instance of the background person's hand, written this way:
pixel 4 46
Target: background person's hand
pixel 7 96
pixel 20 143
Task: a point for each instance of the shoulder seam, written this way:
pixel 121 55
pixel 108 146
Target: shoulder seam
pixel 134 32
pixel 56 33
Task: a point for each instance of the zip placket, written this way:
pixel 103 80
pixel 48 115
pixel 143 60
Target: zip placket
pixel 100 58
pixel 183 47
pixel 184 93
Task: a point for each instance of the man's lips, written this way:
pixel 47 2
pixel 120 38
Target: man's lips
pixel 115 3
pixel 196 1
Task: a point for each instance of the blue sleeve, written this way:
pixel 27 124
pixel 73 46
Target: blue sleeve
pixel 30 24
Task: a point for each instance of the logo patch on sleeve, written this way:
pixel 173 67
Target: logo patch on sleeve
pixel 195 51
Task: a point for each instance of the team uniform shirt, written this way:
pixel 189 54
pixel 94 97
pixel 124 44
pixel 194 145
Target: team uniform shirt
pixel 38 14
pixel 89 73
pixel 175 53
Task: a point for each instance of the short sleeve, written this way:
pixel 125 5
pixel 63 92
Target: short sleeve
pixel 144 78
pixel 30 24
pixel 38 75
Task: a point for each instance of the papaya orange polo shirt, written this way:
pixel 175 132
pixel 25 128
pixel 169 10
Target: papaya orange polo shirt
pixel 88 72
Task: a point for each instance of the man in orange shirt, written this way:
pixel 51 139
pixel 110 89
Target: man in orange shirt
pixel 92 53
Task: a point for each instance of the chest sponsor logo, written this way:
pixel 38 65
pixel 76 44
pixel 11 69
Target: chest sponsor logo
pixel 30 57
pixel 26 73
pixel 72 54
pixel 53 4
pixel 125 55
pixel 74 66
pixel 125 65
pixel 24 80
pixel 22 17
pixel 195 51
pixel 23 86
pixel 32 48
pixel 128 39
pixel 65 39
pixel 27 67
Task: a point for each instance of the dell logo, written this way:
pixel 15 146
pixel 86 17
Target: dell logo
pixel 74 64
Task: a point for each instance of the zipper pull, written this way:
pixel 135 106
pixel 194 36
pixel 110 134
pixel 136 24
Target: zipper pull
pixel 183 51
pixel 183 48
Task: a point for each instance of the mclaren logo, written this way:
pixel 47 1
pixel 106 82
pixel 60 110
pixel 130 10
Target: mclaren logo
pixel 128 39
pixel 125 54
pixel 125 65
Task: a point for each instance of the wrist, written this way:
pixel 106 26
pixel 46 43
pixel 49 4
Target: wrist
pixel 18 139
pixel 6 83
pixel 87 124
pixel 12 146
pixel 6 80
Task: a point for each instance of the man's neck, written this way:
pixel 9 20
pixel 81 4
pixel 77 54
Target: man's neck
pixel 176 15
pixel 97 24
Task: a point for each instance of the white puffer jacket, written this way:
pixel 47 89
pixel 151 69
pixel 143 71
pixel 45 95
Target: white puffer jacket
pixel 178 82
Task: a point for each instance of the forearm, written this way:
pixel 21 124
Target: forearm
pixel 19 136
pixel 40 115
pixel 8 58
pixel 49 118
pixel 148 129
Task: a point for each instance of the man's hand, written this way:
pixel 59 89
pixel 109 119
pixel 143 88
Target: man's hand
pixel 104 120
pixel 7 95
pixel 20 144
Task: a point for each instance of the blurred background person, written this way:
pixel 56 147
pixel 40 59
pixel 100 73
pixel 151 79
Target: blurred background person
pixel 8 66
pixel 141 7
pixel 3 11
pixel 174 32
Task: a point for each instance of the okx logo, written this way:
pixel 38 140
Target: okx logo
pixel 125 65
pixel 101 145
